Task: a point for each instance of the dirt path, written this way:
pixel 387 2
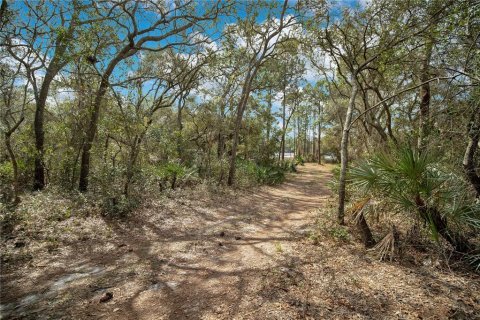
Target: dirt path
pixel 226 255
pixel 219 275
pixel 206 260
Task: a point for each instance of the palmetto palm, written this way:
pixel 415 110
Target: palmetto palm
pixel 415 183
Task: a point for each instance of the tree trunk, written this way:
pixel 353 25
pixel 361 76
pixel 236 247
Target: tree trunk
pixel 180 127
pixel 220 145
pixel 13 159
pixel 431 216
pixel 90 136
pixel 238 122
pixel 221 152
pixel 388 117
pixel 284 119
pixel 92 127
pixel 364 230
pixel 221 134
pixel 233 157
pixel 424 128
pixel 344 153
pixel 38 125
pixel 319 147
pixel 312 141
pixel 269 123
pixel 3 12
pixel 94 116
pixel 74 169
pixel 305 136
pixel 56 64
pixel 134 150
pixel 314 132
pixel 299 153
pixel 469 164
pixel 294 140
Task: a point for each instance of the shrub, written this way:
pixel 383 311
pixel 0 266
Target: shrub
pixel 249 172
pixel 288 166
pixel 174 174
pixel 415 182
pixel 6 170
pixel 340 233
pixel 270 175
pixel 334 183
pixel 299 160
pixel 118 206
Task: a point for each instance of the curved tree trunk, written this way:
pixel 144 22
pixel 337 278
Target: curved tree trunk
pixel 469 164
pixel 57 62
pixel 344 153
pixel 38 125
pixel 238 123
pixel 94 116
pixel 90 136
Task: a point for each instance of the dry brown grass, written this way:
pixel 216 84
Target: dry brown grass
pixel 267 253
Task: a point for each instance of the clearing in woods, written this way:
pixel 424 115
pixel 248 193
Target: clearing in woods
pixel 244 255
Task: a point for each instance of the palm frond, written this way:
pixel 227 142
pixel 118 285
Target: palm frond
pixel 364 176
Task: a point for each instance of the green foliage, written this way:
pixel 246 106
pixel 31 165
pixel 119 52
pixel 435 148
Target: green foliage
pixel 119 206
pixel 327 226
pixel 340 233
pixel 288 166
pixel 176 174
pixel 249 172
pixel 171 169
pixel 278 247
pixel 60 215
pixel 270 175
pixel 333 184
pixel 411 180
pixel 402 175
pixel 6 170
pixel 8 219
pixel 299 160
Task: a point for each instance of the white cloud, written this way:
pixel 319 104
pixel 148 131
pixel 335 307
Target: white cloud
pixel 311 74
pixel 65 95
pixel 205 42
pixel 350 3
pixel 278 96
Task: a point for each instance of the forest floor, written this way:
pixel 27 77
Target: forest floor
pixel 223 255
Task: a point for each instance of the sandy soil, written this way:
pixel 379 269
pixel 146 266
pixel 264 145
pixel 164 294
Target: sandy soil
pixel 244 255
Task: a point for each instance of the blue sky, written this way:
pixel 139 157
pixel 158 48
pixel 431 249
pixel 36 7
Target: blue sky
pixel 213 31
